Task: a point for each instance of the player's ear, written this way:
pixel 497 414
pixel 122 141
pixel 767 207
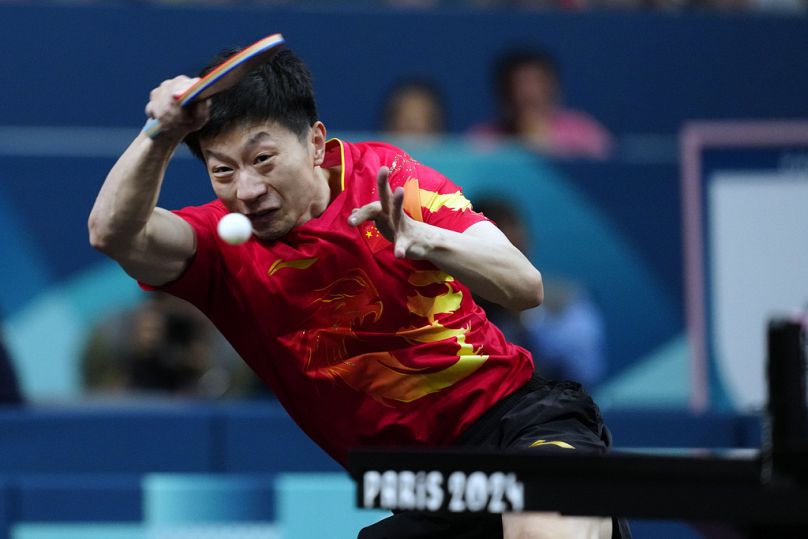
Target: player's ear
pixel 317 140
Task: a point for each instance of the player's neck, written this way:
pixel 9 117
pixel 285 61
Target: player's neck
pixel 327 189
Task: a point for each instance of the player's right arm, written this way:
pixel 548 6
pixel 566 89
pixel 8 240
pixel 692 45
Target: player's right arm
pixel 150 243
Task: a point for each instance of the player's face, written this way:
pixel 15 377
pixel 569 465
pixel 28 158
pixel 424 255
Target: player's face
pixel 269 174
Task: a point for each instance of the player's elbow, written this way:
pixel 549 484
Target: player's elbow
pixel 102 234
pixel 99 240
pixel 528 293
pixel 534 290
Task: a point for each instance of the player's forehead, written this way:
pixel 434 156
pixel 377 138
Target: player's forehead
pixel 245 137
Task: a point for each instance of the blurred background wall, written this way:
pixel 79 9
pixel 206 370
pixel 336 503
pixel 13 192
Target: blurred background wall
pixel 75 79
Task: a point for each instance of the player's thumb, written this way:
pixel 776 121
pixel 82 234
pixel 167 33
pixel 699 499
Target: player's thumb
pixel 365 213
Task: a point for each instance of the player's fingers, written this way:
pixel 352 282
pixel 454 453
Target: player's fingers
pixel 398 206
pixel 385 196
pixel 400 251
pixel 402 246
pixel 169 90
pixel 365 213
pixel 180 85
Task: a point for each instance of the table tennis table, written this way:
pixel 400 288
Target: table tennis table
pixel 699 486
pixel 755 493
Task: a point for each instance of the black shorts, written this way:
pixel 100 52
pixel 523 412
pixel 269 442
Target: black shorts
pixel 543 416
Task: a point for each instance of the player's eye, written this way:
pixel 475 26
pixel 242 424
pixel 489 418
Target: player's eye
pixel 262 158
pixel 221 171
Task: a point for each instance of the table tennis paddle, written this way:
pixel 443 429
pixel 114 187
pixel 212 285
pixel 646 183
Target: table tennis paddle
pixel 224 76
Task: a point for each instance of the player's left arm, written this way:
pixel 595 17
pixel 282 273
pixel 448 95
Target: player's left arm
pixel 481 257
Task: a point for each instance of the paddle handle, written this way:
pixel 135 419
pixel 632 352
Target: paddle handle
pixel 152 128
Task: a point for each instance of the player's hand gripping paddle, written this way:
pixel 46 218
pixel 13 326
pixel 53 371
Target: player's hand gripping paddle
pixel 224 76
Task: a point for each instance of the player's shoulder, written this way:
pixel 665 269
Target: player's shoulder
pixel 364 159
pixel 209 212
pixel 368 156
pixel 214 207
pixel 373 150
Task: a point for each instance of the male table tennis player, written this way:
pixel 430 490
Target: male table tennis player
pixel 353 299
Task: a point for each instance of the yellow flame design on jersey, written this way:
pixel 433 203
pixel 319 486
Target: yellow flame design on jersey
pixel 435 201
pixel 417 199
pixel 301 264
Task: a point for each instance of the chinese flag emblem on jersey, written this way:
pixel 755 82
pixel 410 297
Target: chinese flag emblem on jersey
pixel 373 237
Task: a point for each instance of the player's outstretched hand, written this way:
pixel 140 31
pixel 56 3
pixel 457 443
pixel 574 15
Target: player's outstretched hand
pixel 164 106
pixel 411 239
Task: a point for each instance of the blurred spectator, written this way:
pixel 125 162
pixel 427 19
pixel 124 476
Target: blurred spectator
pixel 164 346
pixel 566 333
pixel 414 108
pixel 9 387
pixel 528 89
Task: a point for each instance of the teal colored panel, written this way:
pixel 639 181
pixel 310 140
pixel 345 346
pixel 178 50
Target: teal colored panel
pixel 659 380
pixel 44 340
pixel 23 268
pixel 228 530
pixel 195 499
pixel 47 336
pixel 78 531
pixel 333 496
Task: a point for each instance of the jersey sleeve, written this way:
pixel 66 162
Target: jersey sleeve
pixel 197 282
pixel 431 197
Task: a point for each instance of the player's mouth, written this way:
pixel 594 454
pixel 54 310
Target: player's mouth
pixel 260 217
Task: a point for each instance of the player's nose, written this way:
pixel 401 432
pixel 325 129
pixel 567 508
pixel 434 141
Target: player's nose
pixel 250 186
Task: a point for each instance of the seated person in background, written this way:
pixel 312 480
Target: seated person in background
pixel 566 333
pixel 163 347
pixel 414 108
pixel 528 87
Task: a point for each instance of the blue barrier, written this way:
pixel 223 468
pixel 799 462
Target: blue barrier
pixel 258 438
pixel 666 428
pixel 332 495
pixel 87 497
pixel 5 507
pixel 71 467
pixel 79 531
pixel 172 499
pixel 113 440
pixel 264 438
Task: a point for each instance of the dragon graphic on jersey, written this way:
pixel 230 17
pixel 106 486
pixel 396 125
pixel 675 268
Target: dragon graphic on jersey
pixel 391 376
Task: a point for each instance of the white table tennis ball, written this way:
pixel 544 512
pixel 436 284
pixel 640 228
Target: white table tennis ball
pixel 234 228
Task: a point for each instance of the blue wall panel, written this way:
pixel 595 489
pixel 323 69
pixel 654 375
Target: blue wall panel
pixel 6 516
pixel 264 438
pixel 87 497
pixel 664 428
pixel 636 72
pixel 129 440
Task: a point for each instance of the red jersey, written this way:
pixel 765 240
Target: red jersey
pixel 360 347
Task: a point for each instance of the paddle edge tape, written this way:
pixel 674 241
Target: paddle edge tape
pixel 259 47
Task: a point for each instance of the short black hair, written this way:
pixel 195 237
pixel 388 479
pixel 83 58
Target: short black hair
pixel 509 62
pixel 279 90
